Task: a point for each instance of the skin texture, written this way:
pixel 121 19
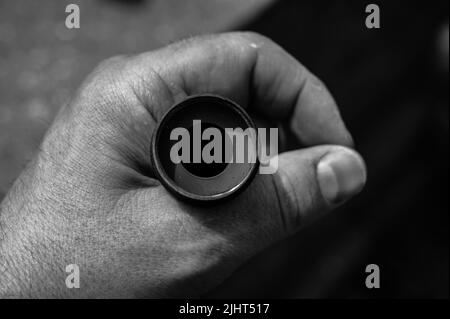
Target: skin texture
pixel 89 197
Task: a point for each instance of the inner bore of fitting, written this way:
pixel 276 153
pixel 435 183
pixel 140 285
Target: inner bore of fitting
pixel 203 169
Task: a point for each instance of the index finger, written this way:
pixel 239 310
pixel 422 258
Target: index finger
pixel 255 72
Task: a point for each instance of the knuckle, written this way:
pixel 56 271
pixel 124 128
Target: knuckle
pixel 256 37
pixel 112 63
pixel 108 70
pixel 103 85
pixel 289 205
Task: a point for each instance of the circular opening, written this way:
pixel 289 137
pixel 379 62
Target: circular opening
pixel 204 169
pixel 204 181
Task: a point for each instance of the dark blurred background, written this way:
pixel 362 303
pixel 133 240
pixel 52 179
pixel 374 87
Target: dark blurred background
pixel 391 85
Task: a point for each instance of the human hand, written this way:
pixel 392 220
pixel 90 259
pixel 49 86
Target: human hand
pixel 90 197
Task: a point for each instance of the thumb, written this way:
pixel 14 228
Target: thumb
pixel 312 181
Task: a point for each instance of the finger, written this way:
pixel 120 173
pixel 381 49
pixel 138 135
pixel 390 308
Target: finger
pixel 253 71
pixel 314 181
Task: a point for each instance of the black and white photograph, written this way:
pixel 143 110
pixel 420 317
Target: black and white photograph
pixel 227 156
